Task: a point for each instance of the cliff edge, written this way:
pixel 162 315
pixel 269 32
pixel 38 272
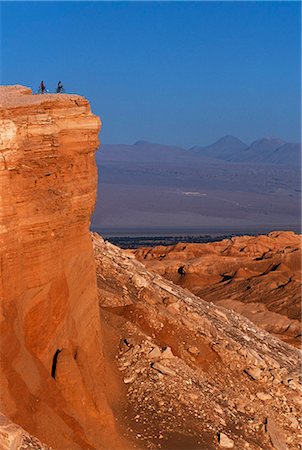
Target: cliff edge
pixel 52 369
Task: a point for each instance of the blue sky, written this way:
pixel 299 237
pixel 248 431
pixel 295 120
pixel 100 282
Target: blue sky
pixel 181 73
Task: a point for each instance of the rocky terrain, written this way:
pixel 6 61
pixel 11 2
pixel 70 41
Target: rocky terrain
pixel 96 351
pixel 14 437
pixel 259 277
pixel 198 376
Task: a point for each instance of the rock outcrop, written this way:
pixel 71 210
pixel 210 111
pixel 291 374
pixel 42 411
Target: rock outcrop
pixel 198 376
pixel 53 374
pixel 257 276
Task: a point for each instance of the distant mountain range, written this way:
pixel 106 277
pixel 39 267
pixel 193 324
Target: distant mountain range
pixel 225 148
pixel 267 150
pixel 228 185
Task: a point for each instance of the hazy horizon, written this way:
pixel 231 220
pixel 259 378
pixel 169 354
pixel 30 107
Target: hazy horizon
pixel 180 73
pixel 200 143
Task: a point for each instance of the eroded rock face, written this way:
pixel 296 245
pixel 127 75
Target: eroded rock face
pixel 198 376
pixel 52 368
pixel 259 277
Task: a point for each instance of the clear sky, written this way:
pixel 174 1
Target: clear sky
pixel 181 73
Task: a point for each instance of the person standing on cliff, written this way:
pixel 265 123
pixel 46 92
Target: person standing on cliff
pixel 60 87
pixel 42 87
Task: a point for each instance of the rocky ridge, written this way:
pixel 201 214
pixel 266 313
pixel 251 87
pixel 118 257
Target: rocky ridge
pixel 256 276
pixel 197 375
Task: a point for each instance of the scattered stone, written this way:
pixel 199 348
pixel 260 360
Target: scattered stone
pixel 163 369
pixel 297 399
pixel 193 350
pixel 225 441
pixel 205 327
pixel 129 341
pixel 167 353
pixel 218 409
pixel 125 365
pixel 263 396
pixel 223 315
pixel 173 308
pixel 272 362
pixel 294 385
pixel 276 435
pixel 132 351
pixel 255 359
pixel 130 379
pixel 155 353
pixel 240 406
pixel 294 422
pixel 168 300
pixel 187 323
pixel 139 281
pixel 254 372
pixel 123 345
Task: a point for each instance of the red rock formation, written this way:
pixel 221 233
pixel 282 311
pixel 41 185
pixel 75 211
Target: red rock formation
pixel 259 277
pixel 198 376
pixel 53 380
pixel 170 369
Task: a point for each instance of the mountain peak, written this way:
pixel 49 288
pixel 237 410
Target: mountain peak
pixel 223 148
pixel 268 140
pixel 229 138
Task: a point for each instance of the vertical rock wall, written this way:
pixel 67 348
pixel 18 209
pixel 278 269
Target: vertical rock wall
pixel 52 377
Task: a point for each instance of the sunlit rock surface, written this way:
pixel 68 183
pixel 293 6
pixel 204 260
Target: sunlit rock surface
pixel 257 276
pixel 52 373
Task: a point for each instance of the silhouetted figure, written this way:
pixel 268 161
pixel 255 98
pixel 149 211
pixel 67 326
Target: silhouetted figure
pixel 42 87
pixel 60 87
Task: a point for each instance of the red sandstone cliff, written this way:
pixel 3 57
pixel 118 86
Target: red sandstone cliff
pixel 52 370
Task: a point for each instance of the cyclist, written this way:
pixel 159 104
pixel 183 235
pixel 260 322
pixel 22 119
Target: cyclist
pixel 59 87
pixel 42 87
